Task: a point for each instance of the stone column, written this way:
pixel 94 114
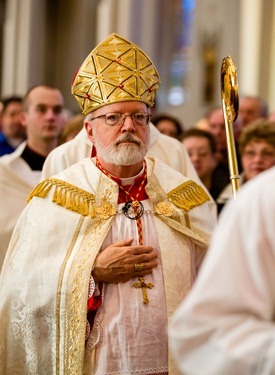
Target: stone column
pixel 250 46
pixel 136 20
pixel 23 45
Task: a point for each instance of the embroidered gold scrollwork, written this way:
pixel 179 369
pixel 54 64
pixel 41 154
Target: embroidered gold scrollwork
pixel 105 210
pixel 165 209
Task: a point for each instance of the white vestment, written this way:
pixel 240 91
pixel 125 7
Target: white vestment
pixel 226 326
pixel 17 180
pixel 46 274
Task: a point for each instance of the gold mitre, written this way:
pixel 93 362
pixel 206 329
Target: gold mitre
pixel 117 70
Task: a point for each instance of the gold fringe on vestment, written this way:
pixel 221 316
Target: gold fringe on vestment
pixel 188 195
pixel 66 195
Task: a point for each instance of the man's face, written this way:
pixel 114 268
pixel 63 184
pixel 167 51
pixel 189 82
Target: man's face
pixel 249 110
pixel 11 121
pixel 121 144
pixel 43 117
pixel 201 155
pixel 217 128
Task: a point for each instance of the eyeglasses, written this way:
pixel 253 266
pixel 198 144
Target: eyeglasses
pixel 200 153
pixel 265 155
pixel 114 118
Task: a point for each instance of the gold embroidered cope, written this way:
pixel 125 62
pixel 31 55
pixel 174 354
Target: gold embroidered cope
pixel 186 196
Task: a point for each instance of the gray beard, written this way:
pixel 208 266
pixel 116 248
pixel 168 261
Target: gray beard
pixel 121 154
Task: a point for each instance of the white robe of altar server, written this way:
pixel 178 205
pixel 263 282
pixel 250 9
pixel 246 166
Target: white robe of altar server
pixel 17 180
pixel 46 276
pixel 226 326
pixel 167 149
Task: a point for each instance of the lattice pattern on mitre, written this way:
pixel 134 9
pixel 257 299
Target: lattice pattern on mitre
pixel 116 70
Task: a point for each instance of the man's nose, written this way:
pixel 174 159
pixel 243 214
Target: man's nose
pixel 259 157
pixel 128 124
pixel 50 113
pixel 194 158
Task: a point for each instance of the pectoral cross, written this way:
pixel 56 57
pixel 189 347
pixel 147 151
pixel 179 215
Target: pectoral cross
pixel 143 287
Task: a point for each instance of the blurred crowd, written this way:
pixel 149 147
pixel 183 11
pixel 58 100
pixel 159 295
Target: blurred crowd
pixel 206 143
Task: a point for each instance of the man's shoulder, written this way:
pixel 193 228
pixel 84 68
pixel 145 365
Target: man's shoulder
pixel 169 142
pixel 72 172
pixel 260 188
pixel 181 191
pixel 6 159
pixel 67 189
pixel 66 155
pixel 160 167
pixel 80 139
pixel 5 147
pixel 173 153
pixel 166 175
pixel 254 197
pixel 67 147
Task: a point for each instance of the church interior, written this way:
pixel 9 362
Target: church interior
pixel 45 41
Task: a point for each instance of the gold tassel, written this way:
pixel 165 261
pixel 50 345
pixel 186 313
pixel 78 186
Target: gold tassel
pixel 188 195
pixel 41 190
pixel 66 195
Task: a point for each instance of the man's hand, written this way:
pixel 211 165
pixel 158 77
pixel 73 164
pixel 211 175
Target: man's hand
pixel 117 262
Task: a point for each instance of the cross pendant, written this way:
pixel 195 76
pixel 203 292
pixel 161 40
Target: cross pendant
pixel 143 287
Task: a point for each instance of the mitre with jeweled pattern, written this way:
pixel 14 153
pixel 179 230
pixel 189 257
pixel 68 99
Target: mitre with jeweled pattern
pixel 117 70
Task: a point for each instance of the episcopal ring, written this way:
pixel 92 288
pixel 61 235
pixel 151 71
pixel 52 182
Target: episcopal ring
pixel 138 267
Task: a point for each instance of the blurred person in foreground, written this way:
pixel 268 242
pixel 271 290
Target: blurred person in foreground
pixel 118 243
pixel 12 131
pixel 201 147
pixel 20 171
pixel 226 324
pixel 257 153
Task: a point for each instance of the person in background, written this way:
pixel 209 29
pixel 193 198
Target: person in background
pixel 21 170
pixel 257 153
pixel 118 242
pixel 226 325
pixel 71 128
pixel 271 116
pixel 252 108
pixel 168 125
pixel 216 127
pixel 12 131
pixel 201 147
pixel 202 124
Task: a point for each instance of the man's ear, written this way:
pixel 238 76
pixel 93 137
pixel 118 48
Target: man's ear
pixel 23 118
pixel 89 130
